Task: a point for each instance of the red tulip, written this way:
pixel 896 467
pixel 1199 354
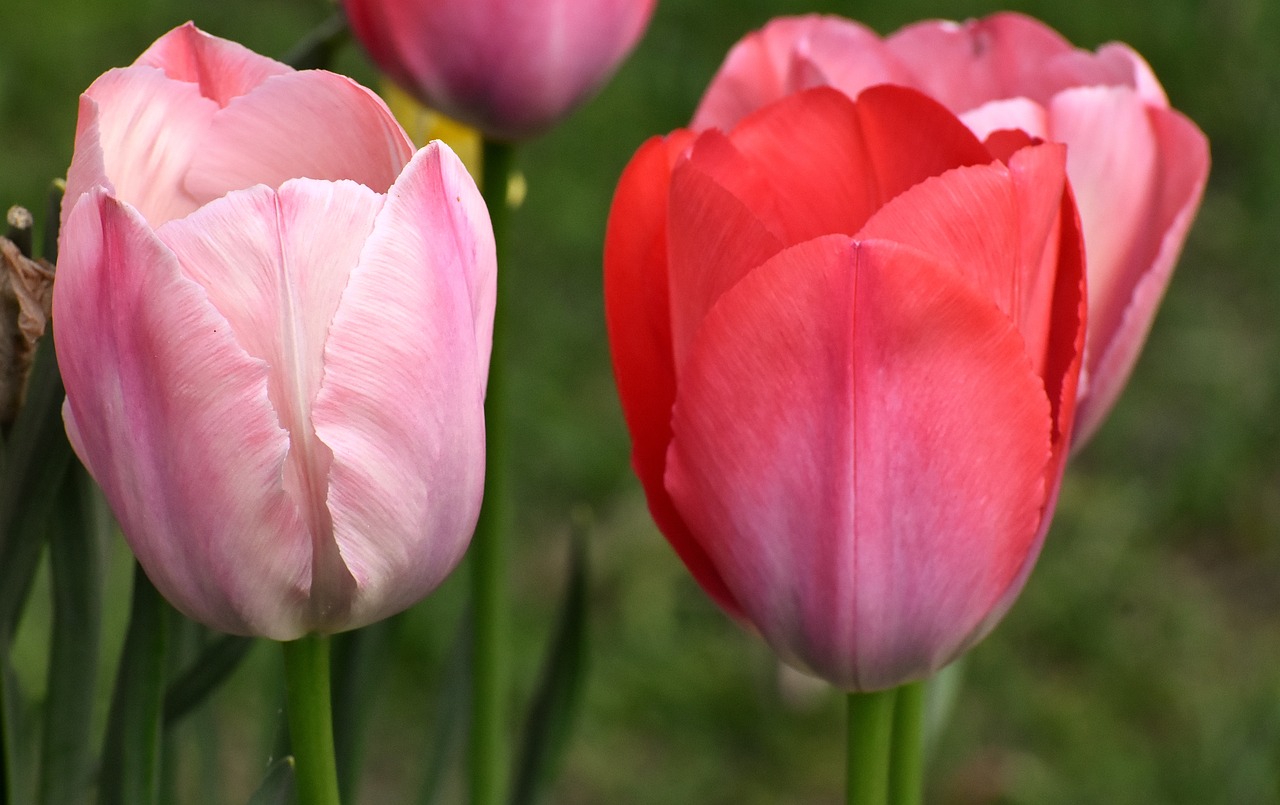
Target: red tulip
pixel 273 322
pixel 847 338
pixel 1137 167
pixel 511 68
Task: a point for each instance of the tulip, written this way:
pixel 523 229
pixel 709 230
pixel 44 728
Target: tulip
pixel 273 323
pixel 846 338
pixel 511 68
pixel 1138 168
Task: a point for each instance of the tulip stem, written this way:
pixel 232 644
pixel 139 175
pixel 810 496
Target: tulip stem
pixel 906 770
pixel 488 748
pixel 310 712
pixel 870 734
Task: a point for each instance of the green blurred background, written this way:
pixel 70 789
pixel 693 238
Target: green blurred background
pixel 1142 663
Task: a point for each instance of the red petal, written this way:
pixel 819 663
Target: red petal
pixel 860 446
pixel 638 318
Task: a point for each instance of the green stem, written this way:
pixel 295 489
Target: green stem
pixel 906 770
pixel 310 711
pixel 488 746
pixel 870 732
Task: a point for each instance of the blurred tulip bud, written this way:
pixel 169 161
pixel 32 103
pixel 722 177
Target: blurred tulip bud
pixel 510 68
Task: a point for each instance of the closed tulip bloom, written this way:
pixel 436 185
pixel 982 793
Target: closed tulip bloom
pixel 511 68
pixel 847 338
pixel 273 323
pixel 1138 168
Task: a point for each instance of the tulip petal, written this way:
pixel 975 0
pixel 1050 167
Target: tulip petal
pixel 714 238
pixel 830 163
pixel 138 133
pixel 791 54
pixel 855 424
pixel 275 264
pixel 174 421
pixel 272 135
pixel 1007 113
pixel 402 401
pixel 222 69
pixel 964 65
pixel 1182 170
pixel 638 319
pixel 1113 164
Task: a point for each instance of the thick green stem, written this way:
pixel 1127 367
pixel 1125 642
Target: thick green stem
pixel 870 732
pixel 489 750
pixel 906 769
pixel 310 712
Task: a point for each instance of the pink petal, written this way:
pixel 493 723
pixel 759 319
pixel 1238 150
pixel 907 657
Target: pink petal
pixel 638 318
pixel 965 65
pixel 275 265
pixel 860 447
pixel 1009 113
pixel 402 400
pixel 790 54
pixel 1113 163
pixel 138 133
pixel 222 70
pixel 311 124
pixel 1183 169
pixel 174 421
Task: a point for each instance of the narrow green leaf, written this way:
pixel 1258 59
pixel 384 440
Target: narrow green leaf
pixel 75 551
pixel 315 51
pixel 278 788
pixel 211 667
pixel 36 458
pixel 359 666
pixel 131 757
pixel 16 727
pixel 449 724
pixel 555 703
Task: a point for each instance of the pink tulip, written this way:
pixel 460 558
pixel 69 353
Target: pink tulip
pixel 847 339
pixel 273 323
pixel 1138 168
pixel 511 68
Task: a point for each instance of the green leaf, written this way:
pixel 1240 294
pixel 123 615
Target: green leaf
pixel 555 704
pixel 36 454
pixel 211 668
pixel 35 459
pixel 75 550
pixel 451 714
pixel 131 756
pixel 278 788
pixel 359 666
pixel 17 777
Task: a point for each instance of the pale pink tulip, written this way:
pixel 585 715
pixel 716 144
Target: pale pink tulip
pixel 273 322
pixel 1137 166
pixel 511 68
pixel 847 339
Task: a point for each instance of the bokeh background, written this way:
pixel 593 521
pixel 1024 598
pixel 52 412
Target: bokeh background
pixel 1142 663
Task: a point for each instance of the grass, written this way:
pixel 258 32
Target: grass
pixel 1139 666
